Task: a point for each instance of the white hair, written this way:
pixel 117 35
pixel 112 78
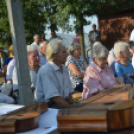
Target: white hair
pixel 43 43
pixel 99 51
pixel 120 46
pixel 31 49
pixel 53 48
pixel 36 35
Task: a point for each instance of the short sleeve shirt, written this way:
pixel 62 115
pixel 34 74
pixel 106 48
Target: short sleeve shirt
pixel 80 65
pixel 127 72
pixel 94 35
pixel 52 82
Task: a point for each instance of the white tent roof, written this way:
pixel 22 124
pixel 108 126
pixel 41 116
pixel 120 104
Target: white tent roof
pixel 68 39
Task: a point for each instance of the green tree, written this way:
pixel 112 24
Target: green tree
pixel 34 20
pixel 80 9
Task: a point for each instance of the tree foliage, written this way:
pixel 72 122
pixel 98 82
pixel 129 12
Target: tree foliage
pixel 34 20
pixel 80 9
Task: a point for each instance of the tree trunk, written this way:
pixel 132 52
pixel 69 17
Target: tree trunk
pixel 83 43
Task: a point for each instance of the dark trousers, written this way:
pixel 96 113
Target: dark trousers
pixel 79 87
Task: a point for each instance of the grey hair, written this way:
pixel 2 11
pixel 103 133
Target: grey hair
pixel 35 36
pixel 120 46
pixel 53 48
pixel 72 47
pixel 99 51
pixel 31 49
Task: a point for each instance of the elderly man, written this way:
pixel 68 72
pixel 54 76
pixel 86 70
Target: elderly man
pixel 42 53
pixel 33 62
pixel 53 83
pixel 124 69
pixel 36 42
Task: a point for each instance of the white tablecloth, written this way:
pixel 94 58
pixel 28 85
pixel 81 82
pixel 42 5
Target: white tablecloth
pixel 47 121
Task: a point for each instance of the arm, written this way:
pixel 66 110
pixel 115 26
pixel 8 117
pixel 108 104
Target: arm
pixel 60 101
pixel 85 65
pixel 120 78
pixel 75 70
pixel 89 35
pixel 119 72
pixel 70 99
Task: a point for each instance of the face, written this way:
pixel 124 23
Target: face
pixel 77 51
pixel 37 39
pixel 62 55
pixel 132 49
pixel 94 27
pixel 101 62
pixel 125 54
pixel 33 58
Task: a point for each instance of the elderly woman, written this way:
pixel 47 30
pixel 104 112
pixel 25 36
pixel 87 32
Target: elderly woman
pixel 98 75
pixel 76 66
pixel 124 69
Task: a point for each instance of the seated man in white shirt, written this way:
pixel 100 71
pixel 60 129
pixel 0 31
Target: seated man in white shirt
pixel 53 83
pixel 33 62
pixel 36 42
pixel 42 53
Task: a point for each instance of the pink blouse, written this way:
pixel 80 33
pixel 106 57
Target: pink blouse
pixel 97 79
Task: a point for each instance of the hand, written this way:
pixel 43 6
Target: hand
pixel 122 85
pixel 128 86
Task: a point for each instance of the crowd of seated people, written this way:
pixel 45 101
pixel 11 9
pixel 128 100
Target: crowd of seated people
pixel 10 87
pixel 98 75
pixel 55 75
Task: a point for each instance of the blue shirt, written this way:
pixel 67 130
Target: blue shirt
pixel 125 71
pixel 7 60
